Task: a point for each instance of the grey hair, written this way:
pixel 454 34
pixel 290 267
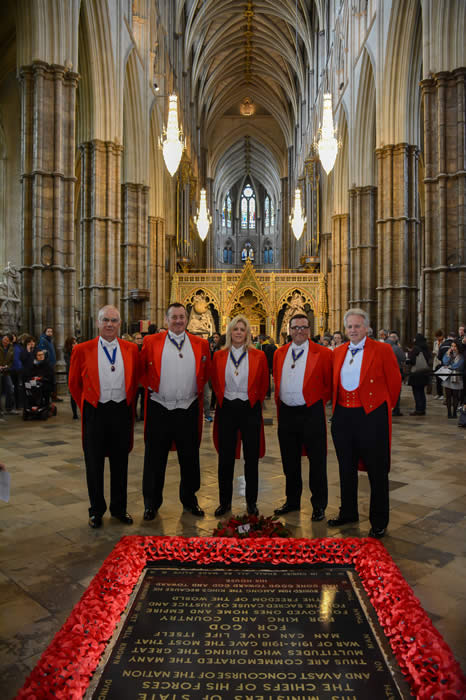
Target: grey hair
pixel 101 313
pixel 357 312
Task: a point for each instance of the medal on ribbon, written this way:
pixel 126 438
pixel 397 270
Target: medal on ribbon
pixel 353 352
pixel 237 362
pixel 296 356
pixel 111 358
pixel 177 345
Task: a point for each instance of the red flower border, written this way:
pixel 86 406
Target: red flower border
pixel 66 667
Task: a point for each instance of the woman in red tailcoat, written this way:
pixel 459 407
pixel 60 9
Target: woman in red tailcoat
pixel 240 381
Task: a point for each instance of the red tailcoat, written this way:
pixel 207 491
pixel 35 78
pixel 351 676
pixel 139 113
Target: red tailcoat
pixel 258 383
pixel 84 382
pixel 380 378
pixel 317 383
pixel 151 364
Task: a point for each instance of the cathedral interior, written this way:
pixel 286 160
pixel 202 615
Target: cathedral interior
pixel 327 138
pixel 90 214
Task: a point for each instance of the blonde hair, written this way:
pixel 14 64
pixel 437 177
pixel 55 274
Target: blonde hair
pixel 232 325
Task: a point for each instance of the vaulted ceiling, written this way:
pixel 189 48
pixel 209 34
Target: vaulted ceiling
pixel 247 61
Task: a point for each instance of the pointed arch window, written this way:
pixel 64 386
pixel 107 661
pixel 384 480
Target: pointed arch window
pixel 228 253
pixel 248 208
pixel 227 212
pixel 267 211
pixel 267 255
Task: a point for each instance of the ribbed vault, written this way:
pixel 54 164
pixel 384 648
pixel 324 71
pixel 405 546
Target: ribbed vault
pixel 240 53
pixel 256 46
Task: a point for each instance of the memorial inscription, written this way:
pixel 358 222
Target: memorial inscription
pixel 247 635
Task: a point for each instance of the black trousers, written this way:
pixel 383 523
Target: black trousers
pixel 234 416
pixel 163 427
pixel 298 427
pixel 107 432
pixel 356 436
pixel 419 394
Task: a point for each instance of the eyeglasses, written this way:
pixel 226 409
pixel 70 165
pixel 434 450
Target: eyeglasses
pixel 111 320
pixel 299 328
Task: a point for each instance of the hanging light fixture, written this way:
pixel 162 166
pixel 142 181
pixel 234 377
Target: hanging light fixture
pixel 297 218
pixel 172 141
pixel 203 218
pixel 327 144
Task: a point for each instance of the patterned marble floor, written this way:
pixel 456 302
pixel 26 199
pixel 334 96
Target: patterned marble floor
pixel 48 554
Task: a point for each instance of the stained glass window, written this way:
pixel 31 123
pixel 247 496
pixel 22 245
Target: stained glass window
pixel 248 208
pixel 252 213
pixel 228 210
pixel 267 212
pixel 272 214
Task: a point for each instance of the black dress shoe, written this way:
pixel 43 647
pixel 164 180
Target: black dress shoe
pixel 195 510
pixel 396 413
pixel 252 509
pixel 318 514
pixel 95 521
pixel 222 509
pixel 336 522
pixel 376 532
pixel 286 508
pixel 124 518
pixel 149 513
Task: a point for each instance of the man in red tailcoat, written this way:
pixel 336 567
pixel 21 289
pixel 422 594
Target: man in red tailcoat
pixel 175 365
pixel 302 373
pixel 103 380
pixel 366 386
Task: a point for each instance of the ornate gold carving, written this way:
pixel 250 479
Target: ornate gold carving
pixel 264 297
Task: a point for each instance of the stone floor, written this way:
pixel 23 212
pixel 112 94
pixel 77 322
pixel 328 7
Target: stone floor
pixel 48 554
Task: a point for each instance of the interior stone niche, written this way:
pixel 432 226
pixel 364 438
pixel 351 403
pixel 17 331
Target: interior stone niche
pixel 10 300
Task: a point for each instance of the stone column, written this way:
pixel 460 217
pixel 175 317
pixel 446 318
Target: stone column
pixel 363 201
pixel 48 97
pixel 135 273
pixel 444 303
pixel 285 213
pixel 158 301
pixel 397 239
pixel 339 296
pixel 100 230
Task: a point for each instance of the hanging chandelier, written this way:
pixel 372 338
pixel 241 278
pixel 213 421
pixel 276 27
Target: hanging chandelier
pixel 172 139
pixel 327 144
pixel 203 219
pixel 297 218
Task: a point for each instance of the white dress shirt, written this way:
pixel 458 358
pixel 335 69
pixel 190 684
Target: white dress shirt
pixel 112 384
pixel 236 386
pixel 178 385
pixel 291 385
pixel 351 371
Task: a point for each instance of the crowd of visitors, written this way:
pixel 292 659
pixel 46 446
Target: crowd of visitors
pixel 438 368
